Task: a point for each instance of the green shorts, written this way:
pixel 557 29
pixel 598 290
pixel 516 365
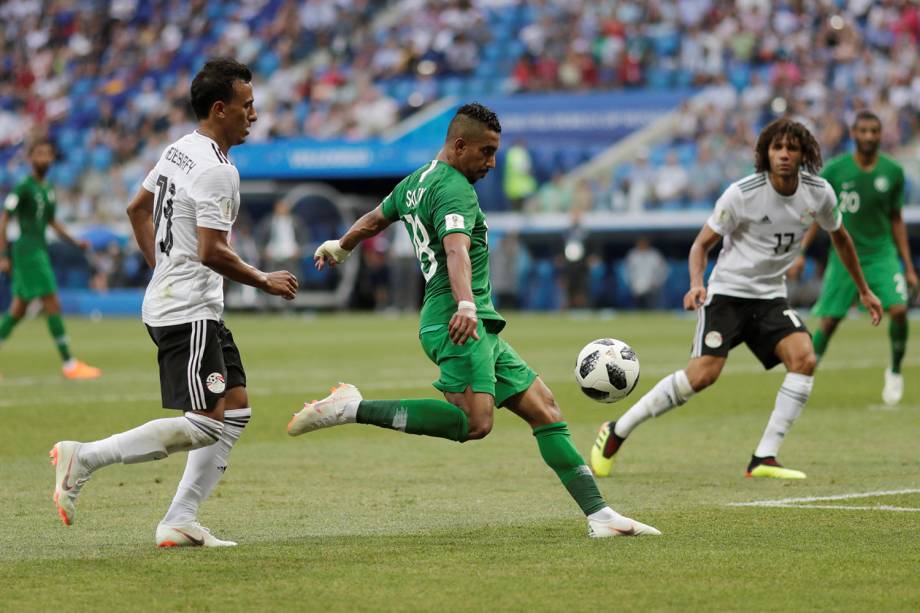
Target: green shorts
pixel 838 292
pixel 489 365
pixel 33 277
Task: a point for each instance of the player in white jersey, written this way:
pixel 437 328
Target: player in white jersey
pixel 182 217
pixel 761 220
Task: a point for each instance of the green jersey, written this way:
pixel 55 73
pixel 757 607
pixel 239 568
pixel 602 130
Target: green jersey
pixel 866 199
pixel 434 201
pixel 32 204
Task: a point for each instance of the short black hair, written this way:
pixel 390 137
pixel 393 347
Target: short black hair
pixel 811 151
pixel 470 115
pixel 215 82
pixel 866 115
pixel 39 141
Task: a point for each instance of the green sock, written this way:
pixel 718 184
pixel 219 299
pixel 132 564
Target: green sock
pixel 560 454
pixel 897 332
pixel 426 416
pixel 56 327
pixel 820 340
pixel 6 326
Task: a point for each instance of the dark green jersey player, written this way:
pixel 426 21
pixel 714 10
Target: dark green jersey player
pixel 32 205
pixel 870 194
pixel 459 327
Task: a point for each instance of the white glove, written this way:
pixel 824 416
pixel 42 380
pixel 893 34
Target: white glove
pixel 331 250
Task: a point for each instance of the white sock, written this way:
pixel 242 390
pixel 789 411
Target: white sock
pixel 152 441
pixel 204 469
pixel 790 400
pixel 350 412
pixel 605 514
pixel 672 391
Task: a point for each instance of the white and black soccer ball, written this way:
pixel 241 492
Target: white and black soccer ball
pixel 607 370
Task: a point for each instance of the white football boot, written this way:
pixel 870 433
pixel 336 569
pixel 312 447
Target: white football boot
pixel 69 478
pixel 894 388
pixel 330 411
pixel 619 526
pixel 188 535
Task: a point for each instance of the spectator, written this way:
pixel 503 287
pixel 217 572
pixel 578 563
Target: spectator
pixel 281 236
pixel 553 197
pixel 518 181
pixel 646 272
pixel 504 265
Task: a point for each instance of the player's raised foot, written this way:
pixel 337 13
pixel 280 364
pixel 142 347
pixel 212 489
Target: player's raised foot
pixel 69 478
pixel 188 535
pixel 894 388
pixel 330 411
pixel 75 370
pixel 619 526
pixel 768 467
pixel 605 448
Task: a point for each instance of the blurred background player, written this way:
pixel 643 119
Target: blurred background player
pixel 182 216
pixel 459 325
pixel 870 195
pixel 32 204
pixel 763 219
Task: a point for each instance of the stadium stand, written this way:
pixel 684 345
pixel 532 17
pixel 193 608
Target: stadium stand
pixel 109 81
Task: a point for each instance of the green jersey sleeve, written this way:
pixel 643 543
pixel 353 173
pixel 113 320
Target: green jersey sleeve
pixel 455 210
pixel 897 196
pixel 12 200
pixel 388 207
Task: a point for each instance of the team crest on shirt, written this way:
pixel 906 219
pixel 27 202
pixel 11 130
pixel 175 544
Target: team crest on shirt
pixel 713 339
pixel 881 184
pixel 808 217
pixel 216 383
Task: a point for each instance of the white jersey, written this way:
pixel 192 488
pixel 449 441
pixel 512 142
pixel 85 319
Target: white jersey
pixel 194 185
pixel 763 233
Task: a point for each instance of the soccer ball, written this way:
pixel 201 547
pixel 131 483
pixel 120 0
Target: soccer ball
pixel 607 370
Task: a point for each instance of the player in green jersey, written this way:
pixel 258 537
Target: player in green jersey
pixel 870 194
pixel 459 327
pixel 32 204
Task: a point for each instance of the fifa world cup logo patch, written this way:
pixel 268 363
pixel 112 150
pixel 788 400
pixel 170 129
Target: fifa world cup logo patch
pixel 216 383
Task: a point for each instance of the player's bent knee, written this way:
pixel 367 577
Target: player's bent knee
pixel 701 379
pixel 804 364
pixel 479 429
pixel 898 314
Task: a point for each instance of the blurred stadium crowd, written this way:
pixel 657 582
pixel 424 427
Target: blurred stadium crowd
pixel 109 81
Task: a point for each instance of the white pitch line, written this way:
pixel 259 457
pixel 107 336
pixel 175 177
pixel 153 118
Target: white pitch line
pixel 880 507
pixel 796 502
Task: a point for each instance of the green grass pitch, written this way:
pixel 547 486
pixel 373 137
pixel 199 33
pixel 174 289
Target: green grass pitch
pixel 358 518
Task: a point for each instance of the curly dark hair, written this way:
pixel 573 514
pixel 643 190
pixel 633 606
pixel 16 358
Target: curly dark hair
pixel 215 82
pixel 472 115
pixel 811 150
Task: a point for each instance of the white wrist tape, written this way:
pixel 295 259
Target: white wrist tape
pixel 332 250
pixel 466 305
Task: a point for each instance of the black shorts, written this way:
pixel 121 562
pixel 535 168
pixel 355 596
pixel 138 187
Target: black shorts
pixel 198 362
pixel 724 322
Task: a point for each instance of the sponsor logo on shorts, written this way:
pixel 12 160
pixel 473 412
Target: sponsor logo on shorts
pixel 216 383
pixel 713 339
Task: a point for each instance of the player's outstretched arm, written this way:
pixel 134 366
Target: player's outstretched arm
pixel 847 252
pixel 64 234
pixel 463 323
pixel 696 262
pixel 140 212
pixel 215 252
pixel 899 232
pixel 335 252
